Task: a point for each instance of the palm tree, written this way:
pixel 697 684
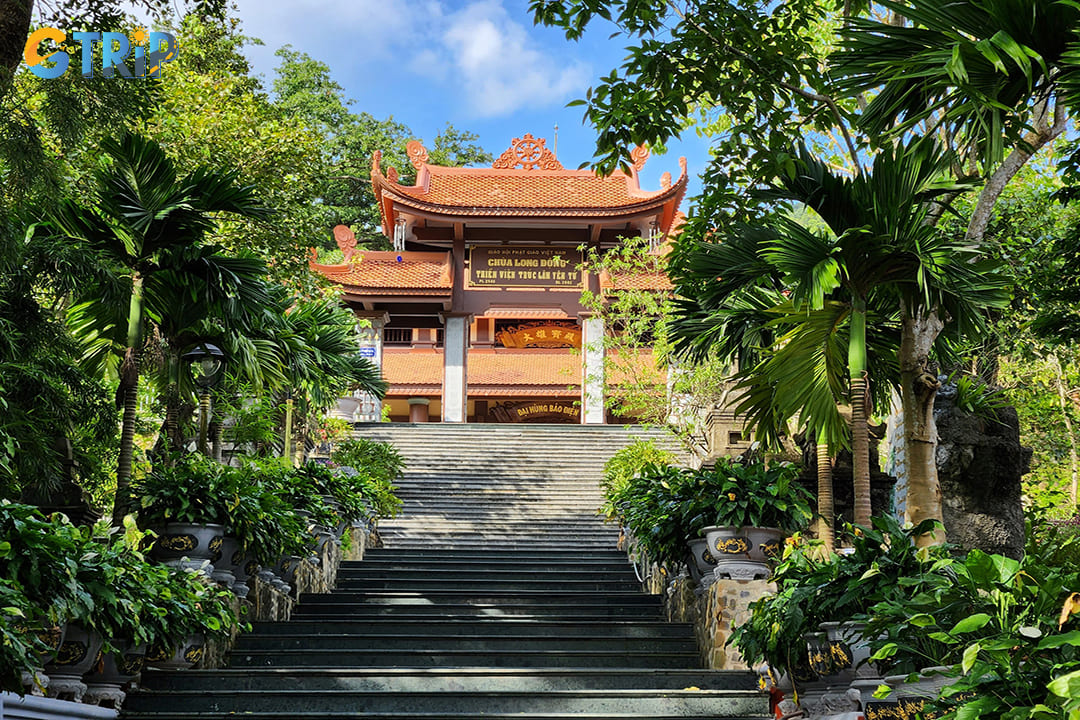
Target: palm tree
pixel 876 250
pixel 148 223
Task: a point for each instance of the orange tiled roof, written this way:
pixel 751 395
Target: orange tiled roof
pixel 541 187
pixel 390 273
pixel 635 281
pixel 502 372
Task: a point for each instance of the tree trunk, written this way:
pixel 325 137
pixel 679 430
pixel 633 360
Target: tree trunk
pixel 128 393
pixel 918 388
pixel 826 507
pixel 860 439
pixel 15 16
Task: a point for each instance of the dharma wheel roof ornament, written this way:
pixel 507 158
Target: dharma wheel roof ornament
pixel 529 153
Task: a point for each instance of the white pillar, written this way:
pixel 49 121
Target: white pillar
pixel 455 367
pixel 592 380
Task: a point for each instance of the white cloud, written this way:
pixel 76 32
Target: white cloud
pixel 501 69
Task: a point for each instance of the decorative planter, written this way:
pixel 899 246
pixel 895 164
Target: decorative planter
pixel 701 561
pixel 224 560
pixel 105 683
pixel 77 654
pixel 244 571
pixel 189 546
pixel 181 657
pixel 910 697
pixel 743 553
pixel 36 682
pixel 847 640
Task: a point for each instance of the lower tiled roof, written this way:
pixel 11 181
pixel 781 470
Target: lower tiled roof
pixel 504 372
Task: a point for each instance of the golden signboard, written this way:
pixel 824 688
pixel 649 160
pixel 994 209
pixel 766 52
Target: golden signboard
pixel 540 411
pixel 504 266
pixel 540 334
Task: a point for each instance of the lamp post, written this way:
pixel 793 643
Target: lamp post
pixel 208 363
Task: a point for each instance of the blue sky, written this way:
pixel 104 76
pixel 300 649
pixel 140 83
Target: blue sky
pixel 479 64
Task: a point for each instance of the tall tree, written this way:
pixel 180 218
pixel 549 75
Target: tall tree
pixel 304 90
pixel 149 222
pixel 759 76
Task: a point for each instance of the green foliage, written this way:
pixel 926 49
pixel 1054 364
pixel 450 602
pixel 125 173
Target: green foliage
pixel 261 517
pixel 637 344
pixel 815 586
pixel 52 572
pixel 378 465
pixel 187 488
pixel 1008 628
pixel 977 398
pixel 622 467
pixel 664 506
pixel 306 93
pixel 756 494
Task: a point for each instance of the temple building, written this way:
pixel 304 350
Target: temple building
pixel 476 315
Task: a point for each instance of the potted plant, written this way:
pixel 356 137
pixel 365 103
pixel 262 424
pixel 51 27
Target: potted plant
pixel 185 499
pixel 988 635
pixel 754 505
pixel 815 626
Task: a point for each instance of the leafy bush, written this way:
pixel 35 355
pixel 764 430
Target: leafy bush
pixel 1008 628
pixel 189 488
pixel 814 586
pixel 378 465
pixel 756 494
pixel 664 506
pixel 623 466
pixel 52 572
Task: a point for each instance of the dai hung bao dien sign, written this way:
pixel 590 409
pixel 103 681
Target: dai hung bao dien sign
pixel 525 267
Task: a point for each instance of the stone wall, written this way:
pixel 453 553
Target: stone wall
pixel 713 610
pixel 265 603
pixel 980 465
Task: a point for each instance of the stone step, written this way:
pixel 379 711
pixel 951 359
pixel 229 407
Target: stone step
pixel 495 598
pixel 492 626
pixel 479 584
pixel 437 679
pixel 699 703
pixel 448 639
pixel 468 573
pixel 553 555
pixel 457 657
pixel 405 613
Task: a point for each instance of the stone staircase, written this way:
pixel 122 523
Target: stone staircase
pixel 508 599
pixel 503 484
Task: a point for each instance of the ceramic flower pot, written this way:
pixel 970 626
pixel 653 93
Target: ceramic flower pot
pixel 181 656
pixel 105 682
pixel 188 546
pixel 225 567
pixel 76 655
pixel 743 553
pixel 37 682
pixel 701 561
pixel 908 698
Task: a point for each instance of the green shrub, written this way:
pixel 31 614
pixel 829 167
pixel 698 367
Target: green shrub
pixel 52 572
pixel 623 466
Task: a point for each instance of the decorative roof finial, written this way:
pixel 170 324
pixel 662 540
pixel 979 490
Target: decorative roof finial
pixel 529 153
pixel 639 155
pixel 346 241
pixel 418 154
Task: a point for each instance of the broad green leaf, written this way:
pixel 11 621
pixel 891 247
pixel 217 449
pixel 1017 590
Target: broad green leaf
pixel 971 654
pixel 1055 641
pixel 1066 686
pixel 970 623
